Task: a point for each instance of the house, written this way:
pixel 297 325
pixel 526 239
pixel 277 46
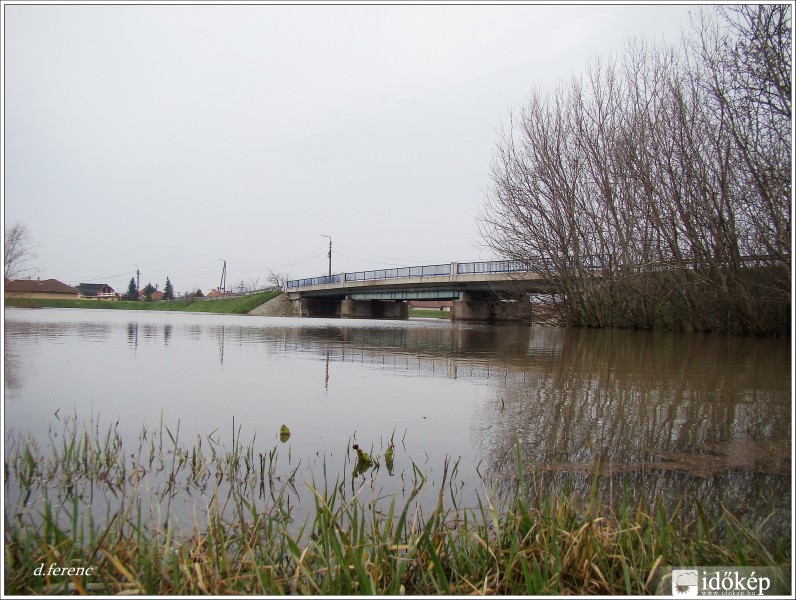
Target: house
pixel 97 291
pixel 38 288
pixel 155 296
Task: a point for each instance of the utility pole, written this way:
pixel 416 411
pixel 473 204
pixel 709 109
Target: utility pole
pixel 330 253
pixel 138 278
pixel 222 288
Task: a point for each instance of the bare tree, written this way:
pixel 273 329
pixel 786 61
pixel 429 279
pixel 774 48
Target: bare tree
pixel 654 190
pixel 747 63
pixel 250 286
pixel 277 280
pixel 18 252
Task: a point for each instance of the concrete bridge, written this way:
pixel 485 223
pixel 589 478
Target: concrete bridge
pixel 479 291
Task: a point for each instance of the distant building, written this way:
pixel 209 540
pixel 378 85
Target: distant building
pixel 38 288
pixel 444 305
pixel 155 296
pixel 97 291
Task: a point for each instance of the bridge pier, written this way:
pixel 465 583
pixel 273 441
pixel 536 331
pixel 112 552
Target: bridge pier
pixel 473 306
pixel 374 309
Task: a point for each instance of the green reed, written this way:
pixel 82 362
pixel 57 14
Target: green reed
pixel 88 501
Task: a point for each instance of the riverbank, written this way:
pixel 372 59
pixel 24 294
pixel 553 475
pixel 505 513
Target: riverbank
pixel 536 541
pixel 269 304
pixel 238 305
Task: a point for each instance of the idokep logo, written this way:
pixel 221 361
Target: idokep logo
pixel 733 582
pixel 685 582
pixel 723 582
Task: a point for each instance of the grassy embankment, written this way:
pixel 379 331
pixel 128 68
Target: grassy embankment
pixel 429 313
pixel 238 305
pixel 539 541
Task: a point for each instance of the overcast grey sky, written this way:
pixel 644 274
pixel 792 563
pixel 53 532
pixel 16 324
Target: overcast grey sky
pixel 169 137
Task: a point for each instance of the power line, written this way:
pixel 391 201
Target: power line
pixel 403 260
pixel 103 279
pixel 300 260
pixel 375 262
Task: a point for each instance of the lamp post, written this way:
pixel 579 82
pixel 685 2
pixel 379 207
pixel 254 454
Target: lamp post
pixel 330 252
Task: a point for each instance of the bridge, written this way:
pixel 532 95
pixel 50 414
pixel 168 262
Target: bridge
pixel 479 291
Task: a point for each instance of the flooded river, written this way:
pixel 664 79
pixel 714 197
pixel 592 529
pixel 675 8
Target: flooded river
pixel 683 417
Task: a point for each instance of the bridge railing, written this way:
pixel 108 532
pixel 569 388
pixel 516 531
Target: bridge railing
pixel 593 262
pixel 325 280
pixel 491 266
pixel 424 271
pixel 444 270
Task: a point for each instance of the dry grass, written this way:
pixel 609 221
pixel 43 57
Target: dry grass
pixel 553 544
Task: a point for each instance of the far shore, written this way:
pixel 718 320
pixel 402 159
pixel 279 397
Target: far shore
pixel 236 305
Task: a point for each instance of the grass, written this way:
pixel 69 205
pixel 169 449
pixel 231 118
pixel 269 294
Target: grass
pixel 536 541
pixel 238 305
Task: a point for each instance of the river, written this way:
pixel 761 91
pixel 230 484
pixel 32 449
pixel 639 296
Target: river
pixel 684 417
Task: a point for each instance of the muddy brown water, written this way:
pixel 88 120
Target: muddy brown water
pixel 684 417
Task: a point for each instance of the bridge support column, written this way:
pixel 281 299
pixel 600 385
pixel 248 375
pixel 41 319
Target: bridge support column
pixel 468 308
pixel 483 307
pixel 374 309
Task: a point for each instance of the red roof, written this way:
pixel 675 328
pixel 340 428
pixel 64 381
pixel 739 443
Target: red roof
pixel 52 286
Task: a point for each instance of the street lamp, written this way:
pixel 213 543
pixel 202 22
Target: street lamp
pixel 330 252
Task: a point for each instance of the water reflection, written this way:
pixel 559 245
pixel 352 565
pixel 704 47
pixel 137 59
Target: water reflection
pixel 132 335
pixel 676 415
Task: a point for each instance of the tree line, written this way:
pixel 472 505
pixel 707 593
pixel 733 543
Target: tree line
pixel 133 294
pixel 656 187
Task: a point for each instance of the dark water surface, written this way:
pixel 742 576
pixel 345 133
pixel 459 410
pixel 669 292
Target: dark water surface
pixel 674 415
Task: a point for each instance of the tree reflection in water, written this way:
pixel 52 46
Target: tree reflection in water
pixel 678 418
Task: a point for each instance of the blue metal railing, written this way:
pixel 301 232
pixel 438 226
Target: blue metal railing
pixel 490 266
pixel 325 280
pixel 537 264
pixel 425 271
pixel 470 268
